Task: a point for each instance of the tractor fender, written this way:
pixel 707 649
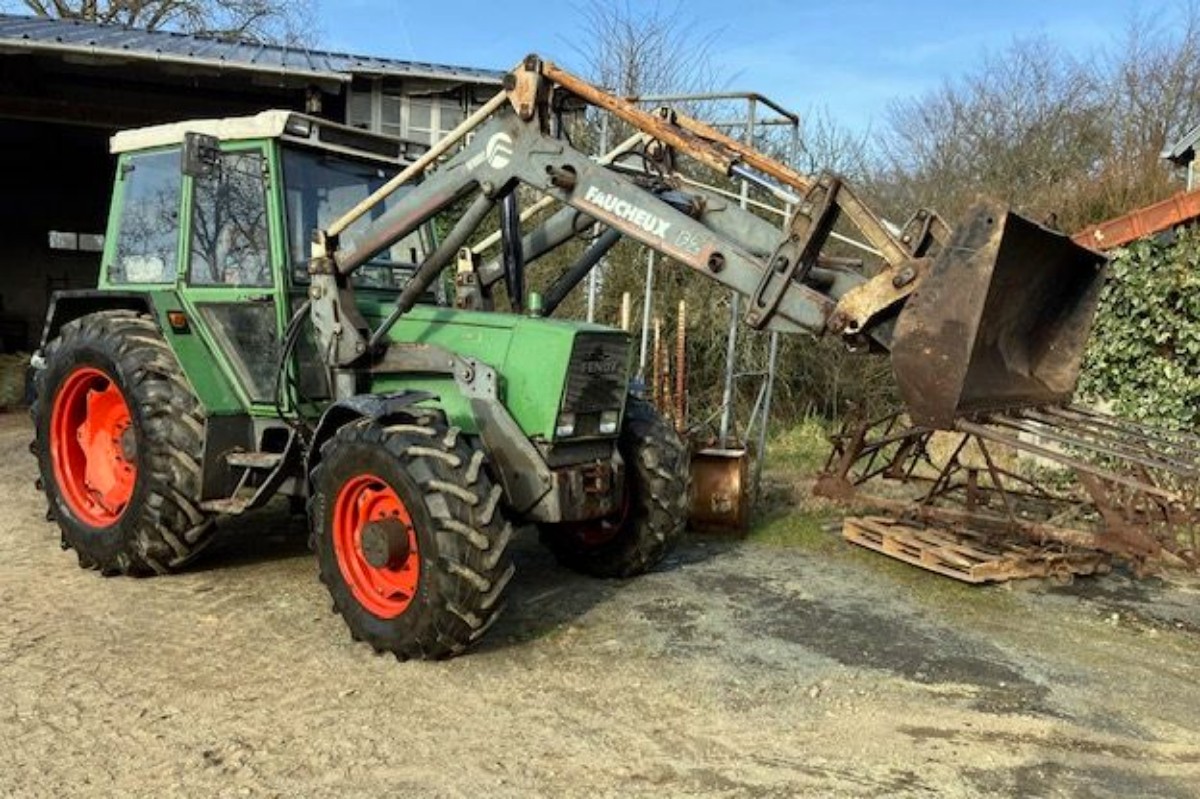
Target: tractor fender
pixel 66 306
pixel 351 409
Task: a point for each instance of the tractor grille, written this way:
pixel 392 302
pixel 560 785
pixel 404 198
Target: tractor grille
pixel 598 376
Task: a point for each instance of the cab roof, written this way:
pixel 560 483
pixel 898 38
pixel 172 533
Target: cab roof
pixel 275 124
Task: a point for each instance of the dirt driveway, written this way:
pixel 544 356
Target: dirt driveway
pixel 737 670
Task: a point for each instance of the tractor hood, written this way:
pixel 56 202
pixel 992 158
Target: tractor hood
pixel 544 365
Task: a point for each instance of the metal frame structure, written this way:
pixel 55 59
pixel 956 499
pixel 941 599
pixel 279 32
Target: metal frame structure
pixel 749 125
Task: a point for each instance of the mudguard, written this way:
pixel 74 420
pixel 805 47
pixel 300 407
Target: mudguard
pixel 362 406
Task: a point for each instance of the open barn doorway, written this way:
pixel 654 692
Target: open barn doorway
pixel 52 215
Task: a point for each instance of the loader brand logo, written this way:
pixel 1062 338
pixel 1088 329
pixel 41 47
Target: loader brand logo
pixel 499 150
pixel 498 153
pixel 627 211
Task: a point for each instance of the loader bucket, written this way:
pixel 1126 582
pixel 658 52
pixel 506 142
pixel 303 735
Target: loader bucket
pixel 1000 320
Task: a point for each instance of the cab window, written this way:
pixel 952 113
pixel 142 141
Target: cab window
pixel 147 242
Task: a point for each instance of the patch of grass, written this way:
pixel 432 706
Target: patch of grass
pixel 818 531
pixel 799 528
pixel 794 518
pixel 801 448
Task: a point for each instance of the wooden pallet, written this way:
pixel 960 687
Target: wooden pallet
pixel 965 555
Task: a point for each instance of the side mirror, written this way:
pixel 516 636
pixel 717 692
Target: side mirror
pixel 201 155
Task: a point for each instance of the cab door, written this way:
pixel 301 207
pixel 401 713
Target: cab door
pixel 233 266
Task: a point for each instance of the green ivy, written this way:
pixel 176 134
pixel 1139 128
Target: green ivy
pixel 1144 355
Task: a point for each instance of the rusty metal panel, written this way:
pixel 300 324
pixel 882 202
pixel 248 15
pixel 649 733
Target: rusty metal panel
pixel 1183 207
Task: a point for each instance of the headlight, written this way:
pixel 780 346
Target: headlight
pixel 608 422
pixel 566 426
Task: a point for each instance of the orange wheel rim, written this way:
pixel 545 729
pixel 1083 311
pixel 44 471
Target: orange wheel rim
pixel 92 446
pixel 384 589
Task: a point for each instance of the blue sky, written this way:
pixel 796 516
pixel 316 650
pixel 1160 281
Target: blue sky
pixel 851 57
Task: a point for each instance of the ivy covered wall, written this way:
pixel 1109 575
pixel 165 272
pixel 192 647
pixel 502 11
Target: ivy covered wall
pixel 1144 355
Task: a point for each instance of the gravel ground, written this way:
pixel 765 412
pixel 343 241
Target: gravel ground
pixel 738 669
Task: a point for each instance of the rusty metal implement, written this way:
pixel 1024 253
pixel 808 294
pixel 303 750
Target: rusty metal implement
pixel 1069 475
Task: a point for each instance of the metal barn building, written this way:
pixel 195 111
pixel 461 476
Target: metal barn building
pixel 66 87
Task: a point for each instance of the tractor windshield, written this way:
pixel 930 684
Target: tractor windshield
pixel 320 187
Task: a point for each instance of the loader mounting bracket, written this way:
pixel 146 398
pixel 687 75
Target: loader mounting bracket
pixel 795 256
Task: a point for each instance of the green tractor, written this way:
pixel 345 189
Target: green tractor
pixel 273 317
pixel 186 387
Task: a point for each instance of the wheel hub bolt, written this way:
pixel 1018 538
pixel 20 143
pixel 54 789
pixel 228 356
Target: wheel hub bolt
pixel 128 444
pixel 385 543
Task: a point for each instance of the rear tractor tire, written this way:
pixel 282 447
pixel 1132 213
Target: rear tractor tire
pixel 409 535
pixel 119 438
pixel 656 502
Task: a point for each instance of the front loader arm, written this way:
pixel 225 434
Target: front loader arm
pixel 993 315
pixel 508 151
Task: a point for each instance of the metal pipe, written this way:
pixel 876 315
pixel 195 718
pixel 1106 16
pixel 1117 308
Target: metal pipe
pixel 772 352
pixel 772 359
pixel 989 434
pixel 730 356
pixel 757 409
pixel 554 231
pixel 792 117
pixel 777 191
pixel 732 195
pixel 647 306
pixel 420 165
pixel 594 275
pixel 1175 438
pixel 681 367
pixel 569 279
pixel 435 263
pixel 513 253
pixel 1113 448
pixel 738 124
pixel 656 392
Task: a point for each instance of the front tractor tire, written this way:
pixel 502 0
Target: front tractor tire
pixel 655 510
pixel 119 438
pixel 409 535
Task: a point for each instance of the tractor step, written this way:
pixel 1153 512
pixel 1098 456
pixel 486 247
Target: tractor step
pixel 254 460
pixel 229 505
pixel 267 469
pixel 969 556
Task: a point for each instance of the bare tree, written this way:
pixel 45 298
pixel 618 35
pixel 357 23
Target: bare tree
pixel 1079 140
pixel 285 21
pixel 644 50
pixel 1027 126
pixel 827 145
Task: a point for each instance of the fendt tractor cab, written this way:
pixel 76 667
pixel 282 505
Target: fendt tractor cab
pixel 273 317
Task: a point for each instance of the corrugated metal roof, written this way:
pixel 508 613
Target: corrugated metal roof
pixel 26 34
